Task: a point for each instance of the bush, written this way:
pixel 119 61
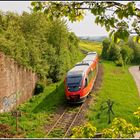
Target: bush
pixel 119 62
pixel 39 88
pixel 114 52
pixel 137 54
pixel 110 51
pixel 120 129
pixel 106 45
pixel 121 53
pixel 127 54
pixel 86 131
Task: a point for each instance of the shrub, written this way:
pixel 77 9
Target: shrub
pixel 121 53
pixel 106 44
pixel 137 115
pixel 120 129
pixel 119 61
pixel 86 131
pixel 127 54
pixel 39 88
pixel 137 53
pixel 114 52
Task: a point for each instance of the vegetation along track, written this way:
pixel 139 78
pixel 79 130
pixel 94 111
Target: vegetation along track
pixel 69 116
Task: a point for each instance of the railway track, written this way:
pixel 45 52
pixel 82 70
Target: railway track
pixel 66 121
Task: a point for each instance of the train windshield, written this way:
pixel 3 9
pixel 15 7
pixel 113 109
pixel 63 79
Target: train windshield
pixel 74 83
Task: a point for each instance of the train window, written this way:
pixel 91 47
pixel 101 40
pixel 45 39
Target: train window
pixel 74 83
pixel 76 80
pixel 86 82
pixel 90 75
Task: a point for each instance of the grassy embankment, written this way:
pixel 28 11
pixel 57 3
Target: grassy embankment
pixel 37 111
pixel 118 86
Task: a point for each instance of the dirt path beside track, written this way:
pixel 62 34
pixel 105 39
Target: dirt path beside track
pixel 134 70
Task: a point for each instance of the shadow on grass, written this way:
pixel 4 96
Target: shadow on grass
pixel 50 103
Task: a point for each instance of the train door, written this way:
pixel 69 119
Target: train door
pixel 85 89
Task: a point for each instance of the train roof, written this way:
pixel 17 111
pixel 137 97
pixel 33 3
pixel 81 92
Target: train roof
pixel 90 56
pixel 80 68
pixel 92 53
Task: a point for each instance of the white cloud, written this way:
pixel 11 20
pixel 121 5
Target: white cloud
pixel 87 27
pixel 15 6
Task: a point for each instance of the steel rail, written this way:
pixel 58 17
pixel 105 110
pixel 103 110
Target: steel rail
pixel 56 122
pixel 75 117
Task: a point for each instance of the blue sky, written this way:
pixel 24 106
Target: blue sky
pixel 86 27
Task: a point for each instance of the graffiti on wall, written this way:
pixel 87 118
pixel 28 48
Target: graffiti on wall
pixel 9 102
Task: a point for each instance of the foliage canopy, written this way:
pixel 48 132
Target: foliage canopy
pixel 123 52
pixel 119 19
pixel 47 47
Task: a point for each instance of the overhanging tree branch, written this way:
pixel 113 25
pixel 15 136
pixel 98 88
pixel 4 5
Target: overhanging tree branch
pixel 114 23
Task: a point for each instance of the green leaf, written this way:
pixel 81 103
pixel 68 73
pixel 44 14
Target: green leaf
pixel 125 35
pixel 112 21
pixel 111 33
pixel 33 3
pixel 97 20
pixel 46 11
pixel 94 11
pixel 131 8
pixel 116 37
pixel 120 14
pixel 107 27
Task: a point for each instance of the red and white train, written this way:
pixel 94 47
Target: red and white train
pixel 80 79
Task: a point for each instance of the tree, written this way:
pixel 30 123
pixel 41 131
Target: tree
pixel 116 21
pixel 47 47
pixel 106 45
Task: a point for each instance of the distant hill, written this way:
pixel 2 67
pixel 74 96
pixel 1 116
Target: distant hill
pixel 93 38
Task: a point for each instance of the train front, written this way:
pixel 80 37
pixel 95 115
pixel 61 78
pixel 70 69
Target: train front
pixel 73 88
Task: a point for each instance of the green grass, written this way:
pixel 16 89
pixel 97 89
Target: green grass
pixel 37 111
pixel 118 86
pixel 91 46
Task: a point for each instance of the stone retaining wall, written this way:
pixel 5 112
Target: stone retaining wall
pixel 16 83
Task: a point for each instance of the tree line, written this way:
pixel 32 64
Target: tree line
pixel 121 53
pixel 47 47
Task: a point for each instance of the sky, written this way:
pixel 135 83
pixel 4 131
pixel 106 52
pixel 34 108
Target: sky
pixel 86 27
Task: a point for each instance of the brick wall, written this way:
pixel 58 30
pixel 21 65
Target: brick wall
pixel 16 83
